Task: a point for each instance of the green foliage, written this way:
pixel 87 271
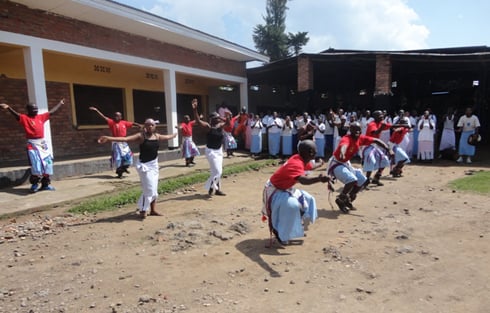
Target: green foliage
pixel 478 182
pixel 129 196
pixel 271 38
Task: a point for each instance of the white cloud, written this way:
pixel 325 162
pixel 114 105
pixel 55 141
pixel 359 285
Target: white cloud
pixel 340 24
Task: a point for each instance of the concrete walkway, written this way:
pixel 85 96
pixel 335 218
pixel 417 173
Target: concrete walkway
pixel 19 200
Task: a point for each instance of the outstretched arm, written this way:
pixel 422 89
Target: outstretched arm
pixel 196 115
pixel 56 107
pixel 12 111
pixel 308 180
pixel 100 113
pixel 166 137
pixel 133 138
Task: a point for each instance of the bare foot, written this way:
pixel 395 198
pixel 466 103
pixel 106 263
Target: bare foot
pixel 143 214
pixel 155 213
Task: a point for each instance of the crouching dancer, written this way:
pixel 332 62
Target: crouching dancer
pixel 339 166
pixel 287 208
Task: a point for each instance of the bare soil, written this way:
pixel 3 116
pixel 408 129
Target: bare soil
pixel 413 245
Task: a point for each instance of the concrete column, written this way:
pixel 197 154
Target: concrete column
pixel 243 96
pixel 171 105
pixel 305 73
pixel 36 85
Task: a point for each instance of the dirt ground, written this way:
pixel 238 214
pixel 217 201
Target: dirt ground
pixel 413 245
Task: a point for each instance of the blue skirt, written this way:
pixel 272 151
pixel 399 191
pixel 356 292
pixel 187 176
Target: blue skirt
pixel 464 147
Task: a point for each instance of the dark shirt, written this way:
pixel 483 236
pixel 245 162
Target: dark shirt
pixel 149 150
pixel 214 138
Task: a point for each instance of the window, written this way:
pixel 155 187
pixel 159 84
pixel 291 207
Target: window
pixel 149 104
pixel 107 100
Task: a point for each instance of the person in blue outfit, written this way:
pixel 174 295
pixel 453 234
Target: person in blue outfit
pixel 286 208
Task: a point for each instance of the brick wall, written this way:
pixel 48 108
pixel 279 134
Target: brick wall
pixel 18 18
pixel 68 142
pixel 383 75
pixel 305 73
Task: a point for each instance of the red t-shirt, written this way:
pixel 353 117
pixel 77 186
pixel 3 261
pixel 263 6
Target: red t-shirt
pixel 352 146
pixel 34 126
pixel 374 126
pixel 287 175
pixel 398 135
pixel 229 128
pixel 119 129
pixel 187 128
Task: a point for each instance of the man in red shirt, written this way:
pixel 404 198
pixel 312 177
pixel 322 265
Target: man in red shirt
pixel 400 156
pixel 374 159
pixel 40 158
pixel 288 209
pixel 122 156
pixel 339 166
pixel 189 148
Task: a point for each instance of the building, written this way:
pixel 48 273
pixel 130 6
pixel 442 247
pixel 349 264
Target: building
pixel 117 58
pixel 391 80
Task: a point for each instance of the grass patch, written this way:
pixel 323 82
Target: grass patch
pixel 128 196
pixel 478 182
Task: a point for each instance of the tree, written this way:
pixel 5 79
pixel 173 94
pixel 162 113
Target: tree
pixel 271 39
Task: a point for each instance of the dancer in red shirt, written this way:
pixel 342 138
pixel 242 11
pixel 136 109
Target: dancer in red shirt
pixel 339 166
pixel 122 156
pixel 288 209
pixel 40 157
pixel 189 148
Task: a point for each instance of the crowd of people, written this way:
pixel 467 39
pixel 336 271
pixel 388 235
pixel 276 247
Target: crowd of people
pixel 304 142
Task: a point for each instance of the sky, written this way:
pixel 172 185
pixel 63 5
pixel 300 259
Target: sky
pixel 339 24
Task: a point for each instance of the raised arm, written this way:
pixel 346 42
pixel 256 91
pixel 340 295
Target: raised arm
pixel 196 115
pixel 12 111
pixel 56 107
pixel 100 113
pixel 133 138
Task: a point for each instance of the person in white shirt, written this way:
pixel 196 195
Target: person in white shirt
pixel 319 138
pixel 287 137
pixel 274 129
pixel 448 137
pixel 426 129
pixel 329 129
pixel 256 136
pixel 468 125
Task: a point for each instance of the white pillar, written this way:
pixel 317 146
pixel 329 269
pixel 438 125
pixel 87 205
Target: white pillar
pixel 171 105
pixel 36 85
pixel 243 96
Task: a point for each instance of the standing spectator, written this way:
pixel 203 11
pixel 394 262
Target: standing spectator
pixel 256 134
pixel 274 129
pixel 365 120
pixel 214 151
pixel 287 137
pixel 122 156
pixel 147 166
pixel 319 138
pixel 248 131
pixel 448 137
pixel 426 129
pixel 469 126
pixel 189 148
pixel 329 130
pixel 40 158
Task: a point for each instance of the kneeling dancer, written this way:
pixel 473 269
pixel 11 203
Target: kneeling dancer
pixel 288 209
pixel 339 166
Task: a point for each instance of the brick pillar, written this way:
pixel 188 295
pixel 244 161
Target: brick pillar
pixel 305 73
pixel 382 90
